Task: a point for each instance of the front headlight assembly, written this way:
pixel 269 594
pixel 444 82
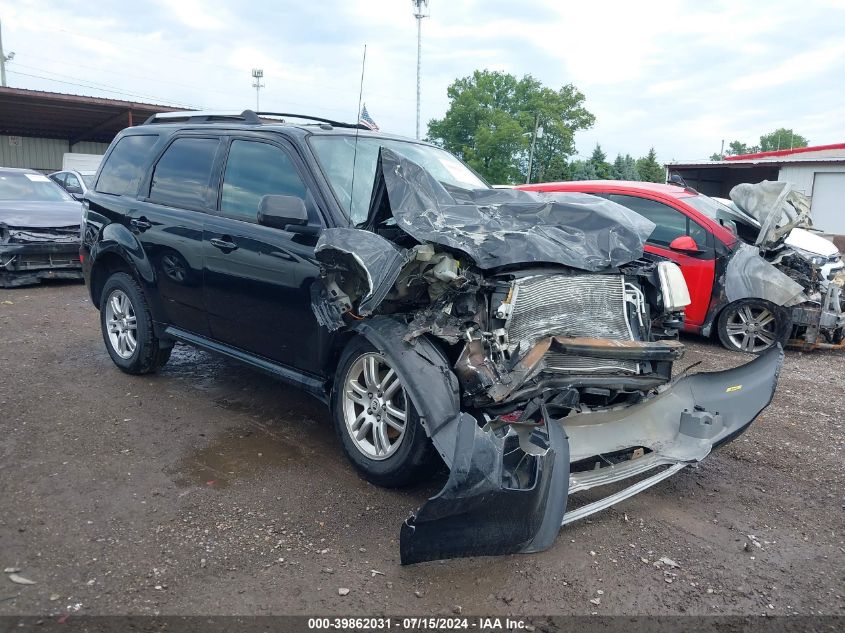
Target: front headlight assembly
pixel 673 286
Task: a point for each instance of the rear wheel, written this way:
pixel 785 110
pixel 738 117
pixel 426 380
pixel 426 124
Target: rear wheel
pixel 127 327
pixel 376 421
pixel 753 325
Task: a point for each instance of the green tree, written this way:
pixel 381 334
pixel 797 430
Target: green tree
pixel 716 156
pixel 624 168
pixel 649 169
pixel 782 138
pixel 735 148
pixel 582 170
pixel 600 164
pixel 491 120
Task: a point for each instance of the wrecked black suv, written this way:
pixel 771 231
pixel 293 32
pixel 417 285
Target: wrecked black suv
pixel 521 338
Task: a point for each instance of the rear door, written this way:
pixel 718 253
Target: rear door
pixel 257 278
pixel 168 221
pixel 698 268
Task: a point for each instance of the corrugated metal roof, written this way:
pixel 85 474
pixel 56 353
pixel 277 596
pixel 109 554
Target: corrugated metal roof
pixel 75 118
pixel 754 163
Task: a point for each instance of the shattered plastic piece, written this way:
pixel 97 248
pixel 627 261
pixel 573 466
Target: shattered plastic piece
pixel 499 227
pixel 523 474
pixel 20 580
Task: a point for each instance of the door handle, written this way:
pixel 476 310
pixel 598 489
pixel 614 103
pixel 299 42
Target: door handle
pixel 142 224
pixel 223 244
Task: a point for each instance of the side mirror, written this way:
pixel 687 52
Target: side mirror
pixel 684 244
pixel 280 211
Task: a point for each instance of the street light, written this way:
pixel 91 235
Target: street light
pixel 420 12
pixel 257 74
pixel 538 133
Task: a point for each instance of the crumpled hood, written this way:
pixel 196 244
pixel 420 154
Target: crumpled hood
pixel 500 227
pixel 775 206
pixel 40 214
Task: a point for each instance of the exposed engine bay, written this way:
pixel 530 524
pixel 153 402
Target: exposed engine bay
pixel 537 346
pixel 807 273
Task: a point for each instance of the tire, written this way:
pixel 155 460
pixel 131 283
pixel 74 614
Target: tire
pixel 409 456
pixel 122 305
pixel 753 325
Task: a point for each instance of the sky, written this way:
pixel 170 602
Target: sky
pixel 680 76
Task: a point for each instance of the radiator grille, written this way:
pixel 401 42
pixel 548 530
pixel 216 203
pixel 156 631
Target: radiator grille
pixel 571 305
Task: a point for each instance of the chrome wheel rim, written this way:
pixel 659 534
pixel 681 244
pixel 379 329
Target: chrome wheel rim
pixel 375 406
pixel 752 329
pixel 121 324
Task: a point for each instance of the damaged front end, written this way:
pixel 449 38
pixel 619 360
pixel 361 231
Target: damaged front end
pixel 799 269
pixel 537 349
pixel 30 254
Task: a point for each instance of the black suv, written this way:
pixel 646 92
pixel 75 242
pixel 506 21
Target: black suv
pixel 519 336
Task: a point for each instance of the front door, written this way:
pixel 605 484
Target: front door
pixel 698 268
pixel 257 278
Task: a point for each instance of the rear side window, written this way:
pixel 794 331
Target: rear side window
pixel 182 174
pixel 255 170
pixel 124 168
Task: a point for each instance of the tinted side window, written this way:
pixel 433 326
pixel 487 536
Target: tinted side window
pixel 59 178
pixel 698 233
pixel 670 222
pixel 182 174
pixel 254 170
pixel 124 168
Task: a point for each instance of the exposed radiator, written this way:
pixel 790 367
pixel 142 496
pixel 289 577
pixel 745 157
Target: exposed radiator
pixel 571 305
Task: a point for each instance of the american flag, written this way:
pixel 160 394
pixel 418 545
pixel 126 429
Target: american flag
pixel 366 120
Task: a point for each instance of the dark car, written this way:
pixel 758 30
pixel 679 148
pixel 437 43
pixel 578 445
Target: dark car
pixel 517 337
pixel 39 229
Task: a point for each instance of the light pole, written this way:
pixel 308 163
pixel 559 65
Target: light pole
pixel 257 74
pixel 3 59
pixel 420 12
pixel 538 133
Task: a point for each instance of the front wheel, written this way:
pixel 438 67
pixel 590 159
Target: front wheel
pixel 753 325
pixel 376 420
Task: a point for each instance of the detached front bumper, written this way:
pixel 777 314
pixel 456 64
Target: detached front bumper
pixel 24 264
pixel 509 487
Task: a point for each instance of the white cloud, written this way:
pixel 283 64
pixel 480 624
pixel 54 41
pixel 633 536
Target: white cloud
pixel 680 75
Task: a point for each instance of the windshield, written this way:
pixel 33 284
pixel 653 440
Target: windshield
pixel 708 206
pixel 336 155
pixel 34 187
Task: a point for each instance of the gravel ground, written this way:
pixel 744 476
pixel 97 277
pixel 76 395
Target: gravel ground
pixel 210 489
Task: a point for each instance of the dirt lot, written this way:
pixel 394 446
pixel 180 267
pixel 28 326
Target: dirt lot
pixel 211 489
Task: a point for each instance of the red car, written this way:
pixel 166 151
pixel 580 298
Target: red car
pixel 717 259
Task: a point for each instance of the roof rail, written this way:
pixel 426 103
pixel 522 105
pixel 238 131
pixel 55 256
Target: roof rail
pixel 204 116
pixel 308 117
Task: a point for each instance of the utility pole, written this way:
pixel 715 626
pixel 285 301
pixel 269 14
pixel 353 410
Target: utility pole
pixel 420 12
pixel 3 59
pixel 257 74
pixel 538 133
